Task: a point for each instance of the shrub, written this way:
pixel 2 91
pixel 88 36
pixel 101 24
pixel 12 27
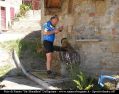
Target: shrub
pixel 23 9
pixel 82 82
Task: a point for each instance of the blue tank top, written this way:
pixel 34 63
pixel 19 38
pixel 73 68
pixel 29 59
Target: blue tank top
pixel 48 27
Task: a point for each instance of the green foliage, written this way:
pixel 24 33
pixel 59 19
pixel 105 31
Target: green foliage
pixel 29 4
pixel 10 45
pixel 23 9
pixel 82 82
pixel 30 47
pixel 73 69
pixel 22 47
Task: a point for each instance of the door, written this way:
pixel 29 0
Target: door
pixel 3 18
pixel 12 14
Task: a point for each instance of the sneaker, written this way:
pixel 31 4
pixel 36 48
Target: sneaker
pixel 51 75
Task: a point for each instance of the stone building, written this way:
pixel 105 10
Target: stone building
pixel 92 28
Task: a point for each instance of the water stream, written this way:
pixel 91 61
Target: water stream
pixel 71 56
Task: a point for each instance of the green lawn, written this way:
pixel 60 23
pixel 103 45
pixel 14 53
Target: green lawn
pixel 4 70
pixel 10 45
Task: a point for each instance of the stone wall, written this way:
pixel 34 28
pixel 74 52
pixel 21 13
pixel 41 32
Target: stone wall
pixel 91 21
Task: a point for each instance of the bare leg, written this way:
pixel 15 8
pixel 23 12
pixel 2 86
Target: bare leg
pixel 49 57
pixel 48 65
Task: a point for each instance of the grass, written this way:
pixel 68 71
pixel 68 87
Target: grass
pixel 23 9
pixel 21 47
pixel 4 70
pixel 83 82
pixel 31 47
pixel 10 45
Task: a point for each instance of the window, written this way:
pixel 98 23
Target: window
pixel 2 8
pixel 53 3
pixel 53 7
pixel 70 5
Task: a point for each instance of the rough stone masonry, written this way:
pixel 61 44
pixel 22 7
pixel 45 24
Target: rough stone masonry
pixel 84 22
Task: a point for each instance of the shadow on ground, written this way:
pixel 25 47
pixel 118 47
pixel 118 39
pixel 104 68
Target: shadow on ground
pixel 30 53
pixel 14 77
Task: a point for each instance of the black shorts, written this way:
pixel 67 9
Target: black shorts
pixel 48 46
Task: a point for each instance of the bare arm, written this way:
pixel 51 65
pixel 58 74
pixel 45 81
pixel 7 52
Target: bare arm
pixel 50 33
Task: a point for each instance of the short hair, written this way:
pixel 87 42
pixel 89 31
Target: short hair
pixel 54 17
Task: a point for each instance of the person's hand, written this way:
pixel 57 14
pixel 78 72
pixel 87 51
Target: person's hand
pixel 61 28
pixel 57 31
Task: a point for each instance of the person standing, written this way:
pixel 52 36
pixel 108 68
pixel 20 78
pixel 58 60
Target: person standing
pixel 49 33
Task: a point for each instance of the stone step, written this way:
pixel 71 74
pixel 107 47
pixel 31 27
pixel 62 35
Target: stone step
pixel 43 75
